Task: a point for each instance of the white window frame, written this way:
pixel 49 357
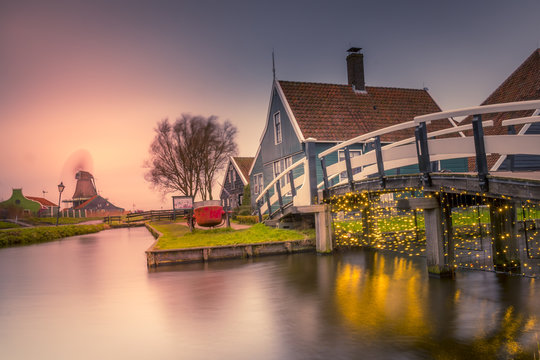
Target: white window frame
pixel 341 157
pixel 258 183
pixel 278 128
pixel 232 176
pixel 279 166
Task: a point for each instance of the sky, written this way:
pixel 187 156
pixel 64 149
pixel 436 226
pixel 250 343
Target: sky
pixel 90 79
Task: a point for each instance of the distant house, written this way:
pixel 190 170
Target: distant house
pixel 236 177
pixel 98 205
pixel 19 204
pixel 86 201
pixel 523 84
pixel 328 114
pixel 48 208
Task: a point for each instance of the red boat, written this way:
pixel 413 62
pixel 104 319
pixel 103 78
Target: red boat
pixel 208 213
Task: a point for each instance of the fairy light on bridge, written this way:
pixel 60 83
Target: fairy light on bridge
pixel 372 220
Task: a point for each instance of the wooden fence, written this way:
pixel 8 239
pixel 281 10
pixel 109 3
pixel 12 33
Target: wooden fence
pixel 153 215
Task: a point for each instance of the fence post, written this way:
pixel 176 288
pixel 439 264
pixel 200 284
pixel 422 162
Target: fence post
pixel 422 151
pixel 349 167
pixel 268 204
pixel 511 158
pixel 280 199
pixel 380 164
pixel 291 180
pixel 481 159
pixel 325 176
pixel 311 155
pixel 259 211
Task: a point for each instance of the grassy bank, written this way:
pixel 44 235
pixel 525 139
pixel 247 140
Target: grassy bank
pixel 176 236
pixel 27 236
pixel 8 225
pixel 37 221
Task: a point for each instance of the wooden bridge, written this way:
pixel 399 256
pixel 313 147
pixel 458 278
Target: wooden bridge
pixel 290 194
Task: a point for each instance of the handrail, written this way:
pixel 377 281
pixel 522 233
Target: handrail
pixel 523 120
pixel 477 110
pixel 389 129
pixel 412 139
pixel 438 133
pixel 280 176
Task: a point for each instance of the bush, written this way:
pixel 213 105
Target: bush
pixel 247 219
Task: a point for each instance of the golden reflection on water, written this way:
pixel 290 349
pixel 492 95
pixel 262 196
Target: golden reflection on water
pixel 389 298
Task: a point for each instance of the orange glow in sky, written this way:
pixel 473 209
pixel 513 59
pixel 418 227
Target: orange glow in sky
pixel 99 75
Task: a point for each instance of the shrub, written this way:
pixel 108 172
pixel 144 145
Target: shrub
pixel 247 219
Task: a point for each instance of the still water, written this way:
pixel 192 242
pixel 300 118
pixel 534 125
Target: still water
pixel 92 297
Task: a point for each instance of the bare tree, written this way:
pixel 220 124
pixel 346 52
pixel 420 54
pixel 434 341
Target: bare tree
pixel 186 156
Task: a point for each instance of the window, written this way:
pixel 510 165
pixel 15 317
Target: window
pixel 240 199
pixel 280 166
pixel 277 128
pixel 258 185
pixel 353 153
pixel 232 177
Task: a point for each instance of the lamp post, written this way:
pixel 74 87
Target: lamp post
pixel 61 188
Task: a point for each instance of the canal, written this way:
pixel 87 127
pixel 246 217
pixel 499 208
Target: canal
pixel 92 297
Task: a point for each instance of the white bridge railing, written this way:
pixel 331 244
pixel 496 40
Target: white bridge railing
pixel 422 149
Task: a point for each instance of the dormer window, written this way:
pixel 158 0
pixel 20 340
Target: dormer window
pixel 277 128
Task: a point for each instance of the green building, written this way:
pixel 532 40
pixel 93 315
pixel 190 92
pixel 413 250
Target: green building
pixel 20 205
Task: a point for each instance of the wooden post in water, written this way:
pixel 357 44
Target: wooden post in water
pixel 504 242
pixel 437 259
pixel 323 226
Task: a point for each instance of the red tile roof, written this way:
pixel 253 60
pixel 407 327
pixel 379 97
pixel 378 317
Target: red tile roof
pixel 244 164
pixel 42 201
pixel 329 112
pixel 523 84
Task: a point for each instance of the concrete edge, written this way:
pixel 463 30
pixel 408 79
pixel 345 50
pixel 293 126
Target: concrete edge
pixel 155 257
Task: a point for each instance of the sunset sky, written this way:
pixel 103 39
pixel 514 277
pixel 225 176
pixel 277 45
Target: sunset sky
pixel 94 77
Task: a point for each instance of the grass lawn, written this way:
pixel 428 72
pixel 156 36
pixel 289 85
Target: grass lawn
pixel 177 236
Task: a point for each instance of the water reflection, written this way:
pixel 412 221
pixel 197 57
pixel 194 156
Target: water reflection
pixel 386 297
pixel 479 315
pixel 92 297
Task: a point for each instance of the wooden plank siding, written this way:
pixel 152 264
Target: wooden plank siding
pixel 234 190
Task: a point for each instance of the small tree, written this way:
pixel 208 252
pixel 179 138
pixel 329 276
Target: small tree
pixel 186 156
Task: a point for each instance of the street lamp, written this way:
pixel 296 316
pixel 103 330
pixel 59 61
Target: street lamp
pixel 61 188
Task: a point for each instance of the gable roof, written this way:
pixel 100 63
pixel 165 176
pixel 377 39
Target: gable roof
pixel 523 84
pixel 42 201
pixel 242 165
pixel 97 202
pixel 330 112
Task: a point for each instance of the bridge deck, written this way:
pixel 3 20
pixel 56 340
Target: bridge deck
pixel 522 186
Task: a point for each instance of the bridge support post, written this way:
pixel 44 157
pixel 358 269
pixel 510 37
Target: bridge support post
pixel 438 261
pixel 435 251
pixel 323 226
pixel 504 241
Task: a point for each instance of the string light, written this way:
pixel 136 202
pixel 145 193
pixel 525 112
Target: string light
pixel 372 220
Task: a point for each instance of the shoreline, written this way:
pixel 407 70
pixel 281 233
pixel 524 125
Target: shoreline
pixel 156 258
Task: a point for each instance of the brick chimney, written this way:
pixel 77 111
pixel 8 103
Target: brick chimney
pixel 355 69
